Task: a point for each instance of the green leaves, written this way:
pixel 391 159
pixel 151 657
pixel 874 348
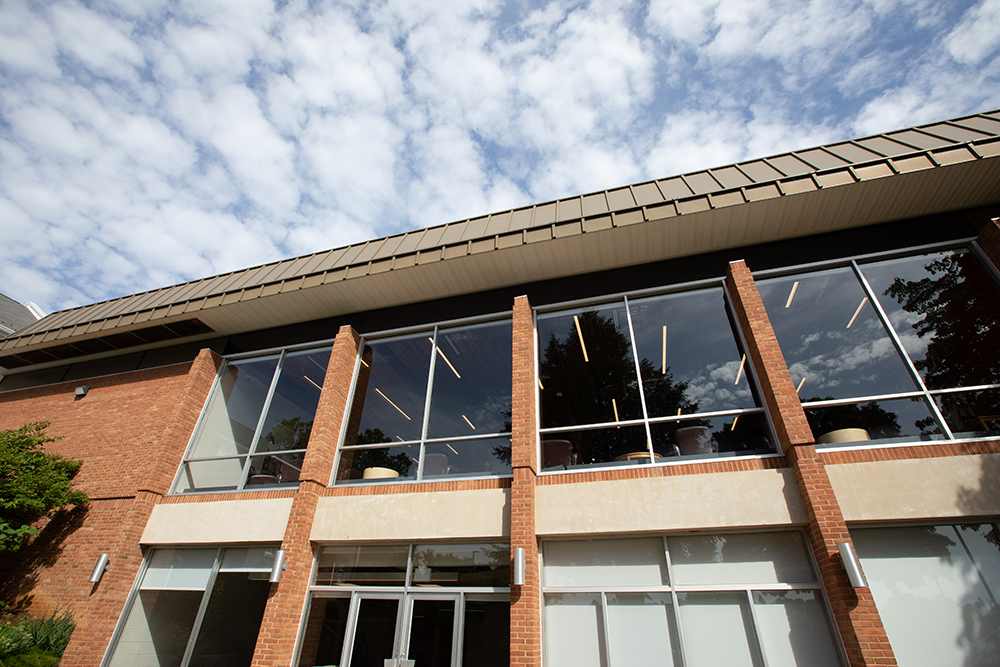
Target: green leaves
pixel 33 483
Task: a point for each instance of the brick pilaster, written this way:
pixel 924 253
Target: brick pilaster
pixel 854 610
pixel 115 526
pixel 989 242
pixel 525 601
pixel 279 627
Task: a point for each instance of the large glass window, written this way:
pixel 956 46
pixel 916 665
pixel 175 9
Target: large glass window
pixel 439 605
pixel 893 349
pixel 195 608
pixel 642 380
pixel 256 425
pixel 668 601
pixel 936 590
pixel 430 405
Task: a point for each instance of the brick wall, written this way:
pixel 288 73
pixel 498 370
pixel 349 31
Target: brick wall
pixel 131 431
pixel 525 601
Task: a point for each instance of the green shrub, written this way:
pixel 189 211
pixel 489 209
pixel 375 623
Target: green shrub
pixel 35 642
pixel 14 639
pixel 51 633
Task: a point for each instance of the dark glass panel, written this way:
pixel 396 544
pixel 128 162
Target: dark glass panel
pixel 467 457
pixel 472 388
pixel 740 434
pixel 907 418
pixel 379 464
pixel 362 566
pixel 831 336
pixel 587 371
pixel 210 475
pixel 487 633
pixel 621 445
pixel 946 310
pixel 323 642
pixel 438 565
pixel 431 632
pixel 391 390
pixel 688 355
pixel 292 408
pixel 231 418
pixel 375 633
pixel 232 619
pixel 971 412
pixel 275 469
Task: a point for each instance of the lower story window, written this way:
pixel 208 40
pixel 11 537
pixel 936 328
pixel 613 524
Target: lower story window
pixel 194 607
pixel 936 590
pixel 426 605
pixel 697 600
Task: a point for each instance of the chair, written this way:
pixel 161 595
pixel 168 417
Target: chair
pixel 559 454
pixel 263 479
pixel 696 440
pixel 437 464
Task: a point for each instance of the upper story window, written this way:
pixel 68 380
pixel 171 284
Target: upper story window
pixel 429 405
pixel 902 348
pixel 640 380
pixel 256 425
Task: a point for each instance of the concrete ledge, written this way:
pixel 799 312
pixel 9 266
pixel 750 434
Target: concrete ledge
pixel 219 522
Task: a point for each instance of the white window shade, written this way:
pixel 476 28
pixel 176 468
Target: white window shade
pixel 573 632
pixel 794 629
pixel 628 562
pixel 762 558
pixel 642 630
pixel 179 570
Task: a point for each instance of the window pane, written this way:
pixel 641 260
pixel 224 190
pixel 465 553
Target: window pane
pixel 587 370
pixel 487 633
pixel 379 464
pixel 907 418
pixel 215 474
pixel 375 633
pixel 794 629
pixel 619 445
pixel 467 457
pixel 292 408
pixel 362 566
pixel 946 309
pixel 259 559
pixel 932 601
pixel 431 630
pixel 737 434
pixel 179 569
pixel 831 336
pixel 688 355
pixel 157 630
pixel 983 542
pixel 323 642
pixel 971 413
pixel 718 630
pixel 228 632
pixel 472 372
pixel 574 635
pixel 276 469
pixel 461 564
pixel 628 562
pixel 234 409
pixel 390 391
pixel 642 629
pixel 758 558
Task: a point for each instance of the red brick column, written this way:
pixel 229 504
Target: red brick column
pixel 525 601
pixel 279 627
pixel 989 242
pixel 853 608
pixel 116 526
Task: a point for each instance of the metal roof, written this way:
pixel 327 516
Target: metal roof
pixel 928 169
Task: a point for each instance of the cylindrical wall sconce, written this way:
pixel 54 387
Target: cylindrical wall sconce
pixel 278 566
pixel 519 566
pixel 849 559
pixel 102 564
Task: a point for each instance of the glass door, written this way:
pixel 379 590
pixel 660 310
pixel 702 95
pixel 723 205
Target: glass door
pixel 431 631
pixel 374 640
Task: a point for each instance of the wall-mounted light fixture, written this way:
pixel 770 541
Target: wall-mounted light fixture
pixel 849 559
pixel 102 564
pixel 82 390
pixel 278 566
pixel 519 566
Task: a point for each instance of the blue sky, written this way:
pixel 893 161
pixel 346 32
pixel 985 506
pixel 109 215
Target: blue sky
pixel 145 143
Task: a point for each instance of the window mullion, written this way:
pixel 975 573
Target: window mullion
pixel 755 633
pixel 675 608
pixel 427 403
pixel 202 608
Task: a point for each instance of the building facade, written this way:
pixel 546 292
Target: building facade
pixel 659 424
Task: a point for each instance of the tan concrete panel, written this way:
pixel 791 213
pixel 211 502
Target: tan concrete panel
pixel 685 502
pixel 413 516
pixel 918 488
pixel 220 522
